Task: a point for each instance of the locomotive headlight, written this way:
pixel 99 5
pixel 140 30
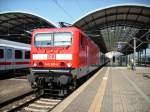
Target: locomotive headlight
pixel 69 64
pixel 35 64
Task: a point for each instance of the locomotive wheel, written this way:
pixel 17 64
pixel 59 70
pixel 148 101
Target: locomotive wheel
pixel 33 85
pixel 73 85
pixel 39 92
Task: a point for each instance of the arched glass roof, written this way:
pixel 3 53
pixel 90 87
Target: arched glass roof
pixel 116 26
pixel 17 26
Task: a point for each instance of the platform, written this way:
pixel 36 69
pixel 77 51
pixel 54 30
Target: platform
pixel 112 89
pixel 11 88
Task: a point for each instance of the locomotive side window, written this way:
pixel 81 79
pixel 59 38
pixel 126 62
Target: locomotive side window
pixel 62 38
pixel 1 53
pixel 43 39
pixel 9 54
pixel 27 54
pixel 82 41
pixel 18 54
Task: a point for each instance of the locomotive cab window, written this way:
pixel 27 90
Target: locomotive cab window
pixel 43 39
pixel 53 39
pixel 62 38
pixel 1 53
pixel 18 54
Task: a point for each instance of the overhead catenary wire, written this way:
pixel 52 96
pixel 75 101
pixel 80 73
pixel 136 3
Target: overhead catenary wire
pixel 79 6
pixel 56 2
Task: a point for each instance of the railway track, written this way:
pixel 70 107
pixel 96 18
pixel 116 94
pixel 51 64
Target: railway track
pixel 30 103
pixel 41 105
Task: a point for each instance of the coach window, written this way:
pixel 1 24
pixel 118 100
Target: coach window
pixel 18 54
pixel 1 53
pixel 9 54
pixel 27 54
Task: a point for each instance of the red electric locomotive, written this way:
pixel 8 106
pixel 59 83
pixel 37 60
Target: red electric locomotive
pixel 60 56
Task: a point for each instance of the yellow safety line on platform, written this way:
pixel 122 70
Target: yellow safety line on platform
pixel 97 102
pixel 63 105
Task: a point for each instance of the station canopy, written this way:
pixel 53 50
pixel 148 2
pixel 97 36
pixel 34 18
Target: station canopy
pixel 113 28
pixel 17 26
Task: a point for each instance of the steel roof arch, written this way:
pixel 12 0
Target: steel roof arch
pixel 115 16
pixel 107 7
pixel 30 13
pixel 17 23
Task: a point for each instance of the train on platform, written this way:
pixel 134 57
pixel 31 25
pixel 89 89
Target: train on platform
pixel 62 56
pixel 14 56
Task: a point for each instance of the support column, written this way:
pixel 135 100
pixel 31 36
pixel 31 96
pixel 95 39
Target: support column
pixel 134 61
pixel 138 56
pixel 126 60
pixel 145 57
pixel 129 58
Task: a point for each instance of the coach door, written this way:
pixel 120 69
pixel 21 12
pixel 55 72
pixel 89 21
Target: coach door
pixel 9 58
pixel 2 58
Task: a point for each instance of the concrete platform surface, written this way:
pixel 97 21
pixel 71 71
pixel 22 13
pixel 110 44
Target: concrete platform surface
pixel 114 89
pixel 11 88
pixel 127 91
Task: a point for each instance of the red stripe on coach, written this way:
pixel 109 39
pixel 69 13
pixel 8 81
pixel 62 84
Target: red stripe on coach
pixel 5 63
pixel 20 63
pixel 11 63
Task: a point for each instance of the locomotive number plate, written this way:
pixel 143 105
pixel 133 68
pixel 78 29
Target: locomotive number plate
pixel 51 56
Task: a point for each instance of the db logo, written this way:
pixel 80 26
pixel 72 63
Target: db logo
pixel 51 56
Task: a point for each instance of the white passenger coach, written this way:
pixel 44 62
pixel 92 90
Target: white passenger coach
pixel 13 56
